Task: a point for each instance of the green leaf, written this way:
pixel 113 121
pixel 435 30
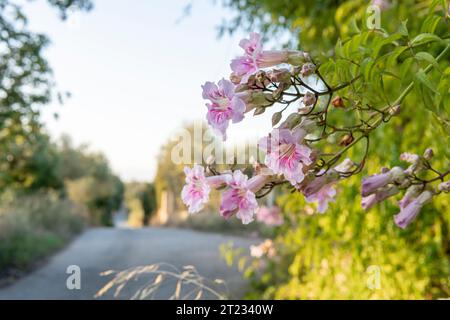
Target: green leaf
pixel 403 30
pixel 425 56
pixel 423 79
pixel 425 38
pixel 259 110
pixel 393 56
pixel 276 117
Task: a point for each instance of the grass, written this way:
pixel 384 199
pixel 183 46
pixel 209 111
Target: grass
pixel 34 226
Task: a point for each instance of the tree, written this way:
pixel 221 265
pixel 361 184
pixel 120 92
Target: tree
pixel 26 82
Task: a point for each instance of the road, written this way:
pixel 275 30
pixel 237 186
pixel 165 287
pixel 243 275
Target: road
pixel 101 249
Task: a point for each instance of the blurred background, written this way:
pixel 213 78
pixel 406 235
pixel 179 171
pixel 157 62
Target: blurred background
pixel 93 95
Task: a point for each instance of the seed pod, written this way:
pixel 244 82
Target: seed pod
pixel 338 102
pixel 428 154
pixel 259 110
pixel 395 110
pixel 346 140
pixel 276 117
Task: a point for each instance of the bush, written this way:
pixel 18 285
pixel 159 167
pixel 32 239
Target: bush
pixel 140 202
pixel 32 226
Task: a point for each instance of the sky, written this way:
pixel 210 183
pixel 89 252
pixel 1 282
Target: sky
pixel 135 74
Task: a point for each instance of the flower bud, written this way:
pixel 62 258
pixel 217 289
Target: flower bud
pixel 338 102
pixel 309 99
pixel 397 174
pixel 297 58
pixel 255 98
pixel 395 110
pixel 409 157
pixel 410 212
pixel 344 166
pixel 308 69
pixel 410 195
pixel 235 78
pixel 279 75
pixel 444 186
pixel 346 140
pixel 279 91
pixel 261 77
pixel 276 117
pixel 428 154
pixel 308 125
pixel 384 170
pixel 380 195
pixel 291 121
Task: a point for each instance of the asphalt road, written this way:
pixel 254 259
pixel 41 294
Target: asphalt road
pixel 101 249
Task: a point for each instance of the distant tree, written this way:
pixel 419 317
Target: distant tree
pixel 26 84
pixel 140 201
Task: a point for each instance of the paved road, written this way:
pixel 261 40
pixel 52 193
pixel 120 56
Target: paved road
pixel 102 249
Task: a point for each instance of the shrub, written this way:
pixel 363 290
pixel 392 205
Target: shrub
pixel 32 226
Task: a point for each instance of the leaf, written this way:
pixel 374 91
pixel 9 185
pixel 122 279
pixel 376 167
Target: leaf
pixel 403 29
pixel 259 110
pixel 423 79
pixel 393 56
pixel 425 56
pixel 276 117
pixel 425 38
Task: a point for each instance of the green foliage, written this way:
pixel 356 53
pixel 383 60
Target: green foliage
pixel 30 163
pixel 406 63
pixel 34 163
pixel 140 201
pixel 90 182
pixel 25 77
pixel 32 226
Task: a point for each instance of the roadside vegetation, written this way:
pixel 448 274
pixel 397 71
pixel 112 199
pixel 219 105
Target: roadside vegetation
pixel 49 190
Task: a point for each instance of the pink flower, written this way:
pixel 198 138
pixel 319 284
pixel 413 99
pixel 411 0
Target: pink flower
pixel 255 58
pixel 372 183
pixel 265 248
pixel 285 155
pixel 309 99
pixel 410 195
pixel 225 105
pixel 409 213
pixel 196 191
pixel 240 198
pixel 323 197
pixel 326 178
pixel 269 216
pixel 314 186
pixel 382 4
pixel 252 46
pixel 380 195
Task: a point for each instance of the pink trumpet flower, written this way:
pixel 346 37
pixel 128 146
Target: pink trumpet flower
pixel 372 183
pixel 255 58
pixel 240 198
pixel 196 191
pixel 409 213
pixel 286 155
pixel 380 195
pixel 323 197
pixel 225 105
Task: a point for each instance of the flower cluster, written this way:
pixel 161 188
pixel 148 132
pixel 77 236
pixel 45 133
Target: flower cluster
pixel 390 182
pixel 265 248
pixel 262 79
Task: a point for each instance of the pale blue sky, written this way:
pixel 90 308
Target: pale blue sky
pixel 135 75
